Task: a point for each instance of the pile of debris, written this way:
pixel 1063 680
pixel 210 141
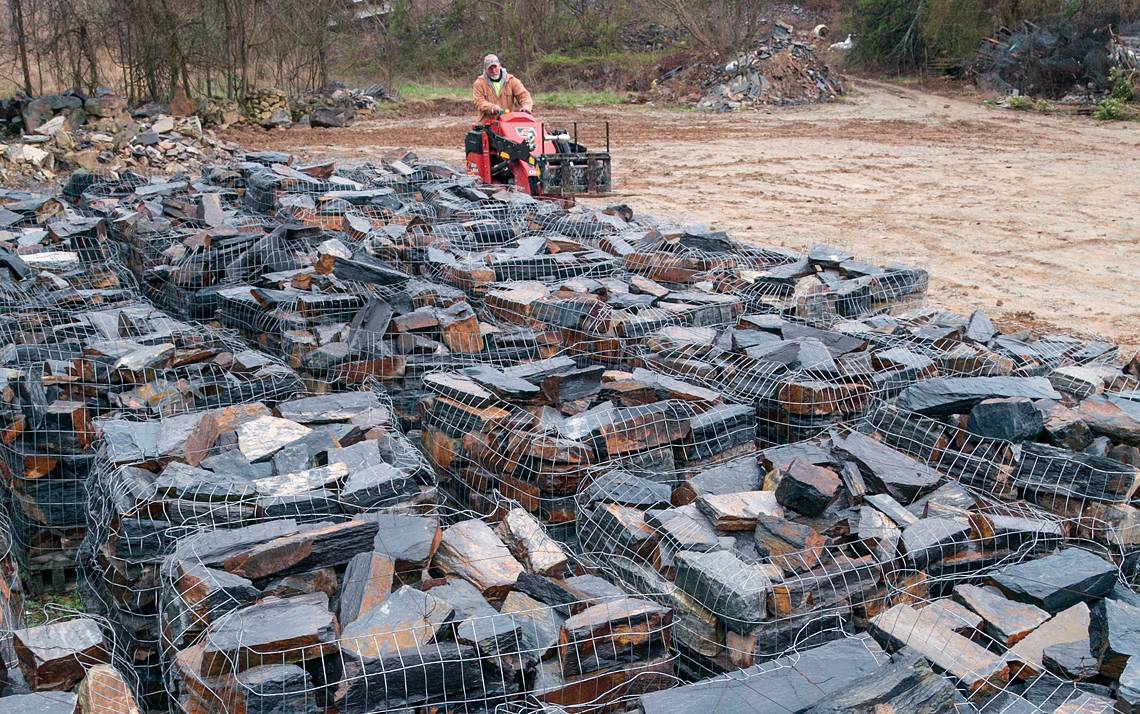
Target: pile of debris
pixel 779 71
pixel 1065 58
pixel 110 143
pixel 782 69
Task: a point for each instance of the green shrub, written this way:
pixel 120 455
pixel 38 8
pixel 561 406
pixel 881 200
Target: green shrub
pixel 1018 103
pixel 1124 84
pixel 1110 110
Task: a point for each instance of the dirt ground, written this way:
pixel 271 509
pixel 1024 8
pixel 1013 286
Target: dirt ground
pixel 1035 218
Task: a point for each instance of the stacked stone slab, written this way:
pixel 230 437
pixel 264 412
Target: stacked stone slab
pixel 321 458
pixel 534 432
pixel 382 614
pixel 65 369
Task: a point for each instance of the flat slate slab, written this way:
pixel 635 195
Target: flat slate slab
pixel 978 669
pixel 1114 633
pixel 789 684
pixel 956 395
pixel 1058 581
pixel 1007 621
pixel 38 703
pixel 906 684
pixel 726 586
pixel 1071 660
pixel 1027 656
pixel 887 470
pixel 273 631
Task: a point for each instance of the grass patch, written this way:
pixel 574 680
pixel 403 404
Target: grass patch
pixel 39 610
pixel 562 99
pixel 568 98
pixel 1019 103
pixel 415 92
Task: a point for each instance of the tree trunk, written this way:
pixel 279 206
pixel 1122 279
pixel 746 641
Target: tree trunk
pixel 22 43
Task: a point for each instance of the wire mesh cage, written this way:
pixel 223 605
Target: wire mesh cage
pixel 68 661
pixel 842 536
pixel 606 320
pixel 466 617
pixel 972 345
pixel 313 459
pixel 62 370
pixel 532 431
pixel 684 256
pixel 1094 492
pixel 827 286
pixel 43 240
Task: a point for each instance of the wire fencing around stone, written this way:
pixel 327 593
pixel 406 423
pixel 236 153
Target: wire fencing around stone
pixel 311 460
pixel 64 370
pixel 467 616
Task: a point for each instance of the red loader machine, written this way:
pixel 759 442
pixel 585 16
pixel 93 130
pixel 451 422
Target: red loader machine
pixel 516 150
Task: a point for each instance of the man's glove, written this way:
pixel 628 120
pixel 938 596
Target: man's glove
pixel 499 111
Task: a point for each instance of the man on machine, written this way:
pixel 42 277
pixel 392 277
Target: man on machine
pixel 497 92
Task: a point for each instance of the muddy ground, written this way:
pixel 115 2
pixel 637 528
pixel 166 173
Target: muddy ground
pixel 1035 218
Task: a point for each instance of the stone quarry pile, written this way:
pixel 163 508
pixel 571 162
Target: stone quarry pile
pixel 781 69
pixel 318 439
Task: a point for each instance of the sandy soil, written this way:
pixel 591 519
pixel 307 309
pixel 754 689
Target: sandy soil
pixel 1035 218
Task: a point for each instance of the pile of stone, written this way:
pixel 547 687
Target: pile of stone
pixel 1069 443
pixel 332 106
pixel 66 666
pixel 258 548
pixel 63 369
pixel 533 432
pixel 323 458
pixel 161 143
pixel 335 105
pixel 972 345
pixel 780 70
pixel 386 612
pixel 268 108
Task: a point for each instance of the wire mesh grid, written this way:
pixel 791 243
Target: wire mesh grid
pixel 68 660
pixel 11 599
pixel 152 484
pixel 62 370
pixel 751 578
pixel 487 430
pixel 455 625
pixel 972 345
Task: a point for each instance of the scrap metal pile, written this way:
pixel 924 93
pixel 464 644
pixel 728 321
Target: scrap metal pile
pixel 370 438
